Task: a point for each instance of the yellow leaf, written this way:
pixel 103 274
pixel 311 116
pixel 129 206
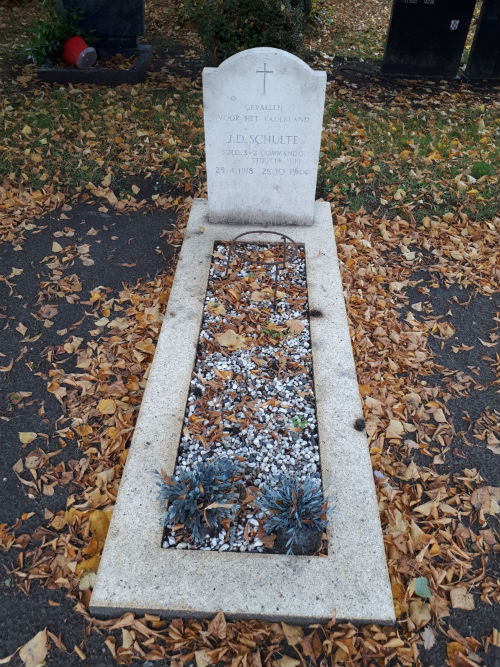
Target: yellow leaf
pixel 146 346
pixel 26 437
pixel 99 524
pixel 435 550
pixel 106 406
pixel 452 649
pixel 87 565
pixel 84 430
pixel 26 130
pixel 56 247
pixel 33 653
pixel 135 189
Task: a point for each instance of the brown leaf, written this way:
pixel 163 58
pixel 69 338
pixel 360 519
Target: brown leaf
pixel 231 340
pixel 295 327
pixel 420 613
pixel 395 429
pixel 216 308
pixel 217 626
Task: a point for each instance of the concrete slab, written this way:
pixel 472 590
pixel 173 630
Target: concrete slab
pixel 136 574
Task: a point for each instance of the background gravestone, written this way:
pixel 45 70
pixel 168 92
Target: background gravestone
pixel 484 59
pixel 263 112
pixel 427 37
pixel 114 23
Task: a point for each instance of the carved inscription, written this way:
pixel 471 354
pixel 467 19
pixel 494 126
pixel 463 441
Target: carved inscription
pixel 262 153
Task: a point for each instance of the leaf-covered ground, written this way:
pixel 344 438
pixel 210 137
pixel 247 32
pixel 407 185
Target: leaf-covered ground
pixel 95 187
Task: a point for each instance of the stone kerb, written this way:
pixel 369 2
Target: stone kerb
pixel 263 112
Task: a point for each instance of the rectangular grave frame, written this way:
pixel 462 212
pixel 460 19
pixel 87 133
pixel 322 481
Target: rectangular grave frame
pixel 137 575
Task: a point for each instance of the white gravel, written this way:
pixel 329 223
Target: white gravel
pixel 269 439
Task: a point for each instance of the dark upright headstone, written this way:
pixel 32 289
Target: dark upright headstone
pixel 427 37
pixel 114 24
pixel 484 59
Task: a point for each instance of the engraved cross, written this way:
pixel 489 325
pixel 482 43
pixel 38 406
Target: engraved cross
pixel 264 72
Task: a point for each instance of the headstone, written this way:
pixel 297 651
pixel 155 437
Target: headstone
pixel 427 37
pixel 484 59
pixel 114 23
pixel 263 113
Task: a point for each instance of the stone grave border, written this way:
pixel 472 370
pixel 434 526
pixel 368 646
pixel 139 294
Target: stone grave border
pixel 100 75
pixel 352 582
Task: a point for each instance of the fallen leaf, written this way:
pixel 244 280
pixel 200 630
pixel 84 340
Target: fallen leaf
pixel 295 327
pixel 56 247
pixel 106 406
pixel 422 587
pixel 27 436
pixel 395 429
pixel 461 599
pixel 216 308
pixel 33 653
pixel 420 613
pixel 231 340
pixel 99 524
pixel 202 658
pixel 293 633
pixel 286 661
pixel 217 626
pixel 429 637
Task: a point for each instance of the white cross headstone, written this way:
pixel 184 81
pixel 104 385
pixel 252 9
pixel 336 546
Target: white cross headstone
pixel 263 111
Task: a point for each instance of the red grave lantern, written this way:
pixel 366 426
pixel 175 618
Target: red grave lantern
pixel 77 52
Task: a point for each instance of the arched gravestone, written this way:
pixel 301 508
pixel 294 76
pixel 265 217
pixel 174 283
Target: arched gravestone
pixel 427 37
pixel 263 113
pixel 484 59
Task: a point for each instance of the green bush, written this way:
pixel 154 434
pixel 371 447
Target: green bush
pixel 50 32
pixel 228 26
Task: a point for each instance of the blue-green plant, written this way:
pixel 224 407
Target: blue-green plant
pixel 201 497
pixel 294 509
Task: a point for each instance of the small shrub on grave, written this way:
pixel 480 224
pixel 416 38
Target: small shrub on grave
pixel 49 33
pixel 228 26
pixel 200 498
pixel 296 512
